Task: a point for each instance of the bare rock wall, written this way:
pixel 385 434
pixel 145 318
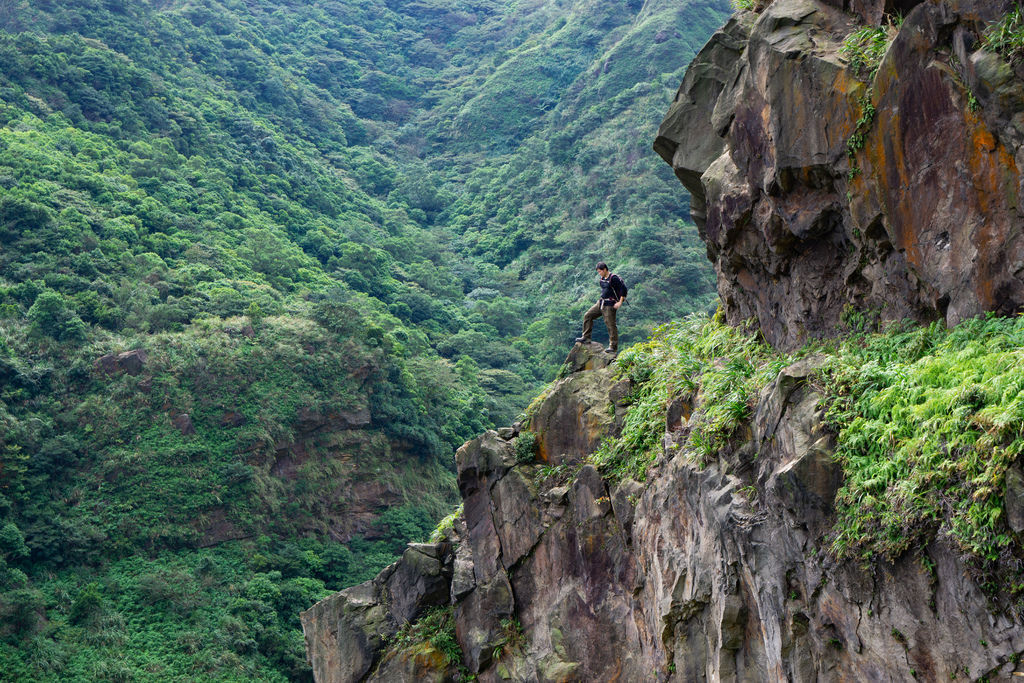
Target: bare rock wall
pixel 921 221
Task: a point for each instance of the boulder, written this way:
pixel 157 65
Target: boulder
pixel 127 362
pixel 347 632
pixel 183 423
pixel 576 415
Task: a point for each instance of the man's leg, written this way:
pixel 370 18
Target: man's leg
pixel 613 331
pixel 588 322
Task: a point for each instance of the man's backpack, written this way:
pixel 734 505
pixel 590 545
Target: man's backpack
pixel 625 289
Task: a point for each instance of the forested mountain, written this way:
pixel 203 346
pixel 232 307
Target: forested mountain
pixel 264 265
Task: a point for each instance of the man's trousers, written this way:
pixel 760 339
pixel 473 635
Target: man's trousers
pixel 608 313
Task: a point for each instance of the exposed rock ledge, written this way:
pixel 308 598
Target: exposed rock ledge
pixel 713 573
pixel 924 221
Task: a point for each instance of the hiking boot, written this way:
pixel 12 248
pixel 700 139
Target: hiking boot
pixel 611 350
pixel 582 340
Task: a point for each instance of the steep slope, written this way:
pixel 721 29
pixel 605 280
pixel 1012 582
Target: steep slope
pixel 747 550
pixel 709 507
pixel 886 184
pixel 265 265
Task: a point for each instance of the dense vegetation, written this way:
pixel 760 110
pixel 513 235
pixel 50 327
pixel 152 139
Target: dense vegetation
pixel 928 422
pixel 700 355
pixel 340 238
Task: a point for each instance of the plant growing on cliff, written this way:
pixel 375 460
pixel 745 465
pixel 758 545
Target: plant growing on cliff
pixel 701 357
pixel 1006 36
pixel 435 626
pixel 512 638
pixel 928 423
pixel 445 525
pixel 749 5
pixel 865 47
pixel 524 446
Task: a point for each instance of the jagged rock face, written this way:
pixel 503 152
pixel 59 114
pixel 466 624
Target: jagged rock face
pixel 714 572
pixel 346 632
pixel 927 224
pixel 566 426
pixel 739 579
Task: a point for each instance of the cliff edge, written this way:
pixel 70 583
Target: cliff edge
pixel 804 517
pixel 713 570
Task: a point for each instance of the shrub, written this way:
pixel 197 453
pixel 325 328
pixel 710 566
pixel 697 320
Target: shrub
pixel 87 604
pixel 52 316
pixel 525 447
pixel 20 612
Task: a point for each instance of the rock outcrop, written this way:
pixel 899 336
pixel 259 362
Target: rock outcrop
pixel 127 362
pixel 829 196
pixel 713 572
pixel 827 193
pixel 349 630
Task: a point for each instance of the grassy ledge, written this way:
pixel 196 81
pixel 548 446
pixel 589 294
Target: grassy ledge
pixel 722 367
pixel 928 422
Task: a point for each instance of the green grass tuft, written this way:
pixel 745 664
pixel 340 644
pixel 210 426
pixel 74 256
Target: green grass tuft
pixel 865 47
pixel 436 626
pixel 1006 36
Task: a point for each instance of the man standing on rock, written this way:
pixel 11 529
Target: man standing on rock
pixel 613 295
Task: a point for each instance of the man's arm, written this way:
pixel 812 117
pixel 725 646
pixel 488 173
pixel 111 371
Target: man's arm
pixel 621 297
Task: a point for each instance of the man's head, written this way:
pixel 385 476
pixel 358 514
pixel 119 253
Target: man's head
pixel 602 269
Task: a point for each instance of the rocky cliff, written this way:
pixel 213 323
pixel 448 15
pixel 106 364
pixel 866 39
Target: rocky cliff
pixel 703 572
pixel 823 184
pixel 833 189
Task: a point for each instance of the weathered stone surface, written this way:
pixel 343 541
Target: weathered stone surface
pixel 589 356
pixel 1014 499
pixel 576 416
pixel 346 632
pixel 478 619
pixel 516 517
pixel 624 500
pixel 486 453
pixel 923 222
pixel 422 663
pixel 738 585
pixel 128 362
pixel 507 433
pixel 420 579
pixel 689 138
